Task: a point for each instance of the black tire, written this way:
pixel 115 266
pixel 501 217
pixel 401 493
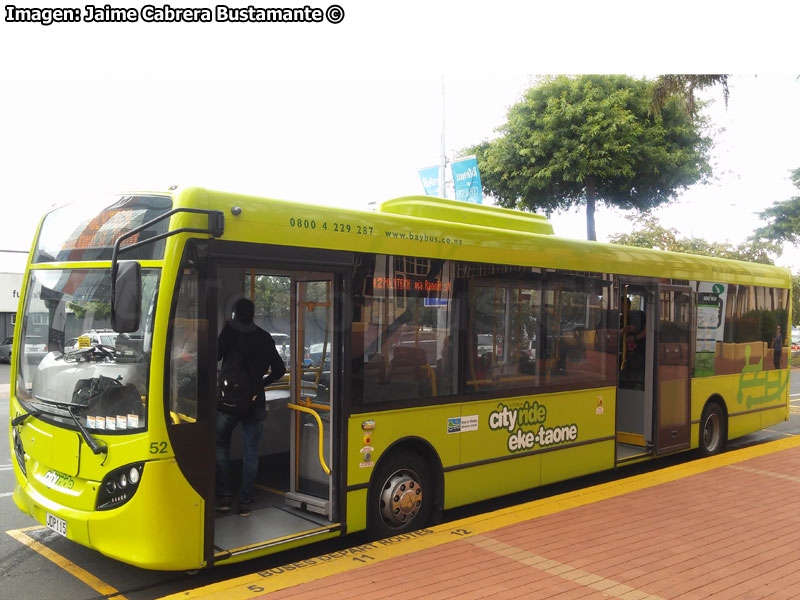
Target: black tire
pixel 713 430
pixel 400 495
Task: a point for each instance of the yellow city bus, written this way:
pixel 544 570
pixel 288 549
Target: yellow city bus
pixel 438 354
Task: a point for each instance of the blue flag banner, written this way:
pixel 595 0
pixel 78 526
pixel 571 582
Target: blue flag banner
pixel 430 181
pixel 466 180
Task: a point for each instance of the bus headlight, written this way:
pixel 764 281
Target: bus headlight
pixel 119 486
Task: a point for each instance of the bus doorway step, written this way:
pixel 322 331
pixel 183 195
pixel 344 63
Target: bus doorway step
pixel 626 452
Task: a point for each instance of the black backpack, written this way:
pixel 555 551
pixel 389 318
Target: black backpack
pixel 105 396
pixel 236 393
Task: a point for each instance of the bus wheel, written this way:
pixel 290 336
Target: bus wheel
pixel 401 495
pixel 712 430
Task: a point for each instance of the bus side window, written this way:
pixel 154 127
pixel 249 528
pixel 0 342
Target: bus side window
pixel 407 375
pixel 501 347
pixel 576 352
pixel 402 342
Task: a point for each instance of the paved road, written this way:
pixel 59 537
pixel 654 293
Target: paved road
pixel 76 573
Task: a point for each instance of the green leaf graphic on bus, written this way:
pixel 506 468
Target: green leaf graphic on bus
pixel 755 386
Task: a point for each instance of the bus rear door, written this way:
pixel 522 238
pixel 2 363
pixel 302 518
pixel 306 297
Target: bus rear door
pixel 673 376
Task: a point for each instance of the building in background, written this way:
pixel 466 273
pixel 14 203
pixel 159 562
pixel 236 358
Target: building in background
pixel 12 267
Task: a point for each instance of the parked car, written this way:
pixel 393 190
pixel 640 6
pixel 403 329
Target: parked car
pixel 35 348
pixel 5 350
pixel 106 337
pixel 487 344
pixel 425 340
pixel 314 356
pixel 795 347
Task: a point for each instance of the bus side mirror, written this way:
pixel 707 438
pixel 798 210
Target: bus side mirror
pixel 126 297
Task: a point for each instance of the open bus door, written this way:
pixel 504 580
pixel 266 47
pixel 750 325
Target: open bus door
pixel 294 495
pixel 674 372
pixel 635 387
pixel 310 482
pixel 653 393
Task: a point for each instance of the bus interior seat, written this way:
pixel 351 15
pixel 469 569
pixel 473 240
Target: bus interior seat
pixel 375 368
pixel 374 378
pixel 406 372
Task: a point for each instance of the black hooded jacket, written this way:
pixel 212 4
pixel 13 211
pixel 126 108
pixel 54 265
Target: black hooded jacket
pixel 248 343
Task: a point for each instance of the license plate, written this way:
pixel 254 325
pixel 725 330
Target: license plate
pixel 56 524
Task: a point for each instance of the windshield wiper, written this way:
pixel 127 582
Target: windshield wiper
pixel 99 351
pixel 21 418
pixel 95 446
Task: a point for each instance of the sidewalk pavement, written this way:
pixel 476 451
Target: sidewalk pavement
pixel 724 527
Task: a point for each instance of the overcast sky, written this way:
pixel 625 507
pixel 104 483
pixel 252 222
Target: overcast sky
pixel 345 114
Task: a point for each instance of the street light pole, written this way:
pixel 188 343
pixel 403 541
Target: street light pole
pixel 442 158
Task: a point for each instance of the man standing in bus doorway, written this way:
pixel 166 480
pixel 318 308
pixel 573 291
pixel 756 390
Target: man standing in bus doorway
pixel 245 347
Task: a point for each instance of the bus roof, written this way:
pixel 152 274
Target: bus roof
pixel 439 228
pixel 455 211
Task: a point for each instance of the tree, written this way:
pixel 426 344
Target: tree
pixel 272 295
pixel 592 139
pixel 99 310
pixel 795 300
pixel 649 233
pixel 783 225
pixel 783 218
pixel 683 87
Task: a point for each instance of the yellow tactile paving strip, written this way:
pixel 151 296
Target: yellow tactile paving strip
pixel 609 587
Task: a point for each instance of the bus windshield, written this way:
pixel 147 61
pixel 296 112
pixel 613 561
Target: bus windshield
pixel 87 231
pixel 71 364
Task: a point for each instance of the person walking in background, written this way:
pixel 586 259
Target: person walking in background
pixel 777 348
pixel 247 353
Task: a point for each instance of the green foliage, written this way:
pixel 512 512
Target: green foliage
pixel 759 325
pixel 592 139
pixel 783 218
pixel 99 310
pixel 649 233
pixel 272 295
pixel 683 87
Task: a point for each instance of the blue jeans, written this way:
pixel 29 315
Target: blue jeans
pixel 251 432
